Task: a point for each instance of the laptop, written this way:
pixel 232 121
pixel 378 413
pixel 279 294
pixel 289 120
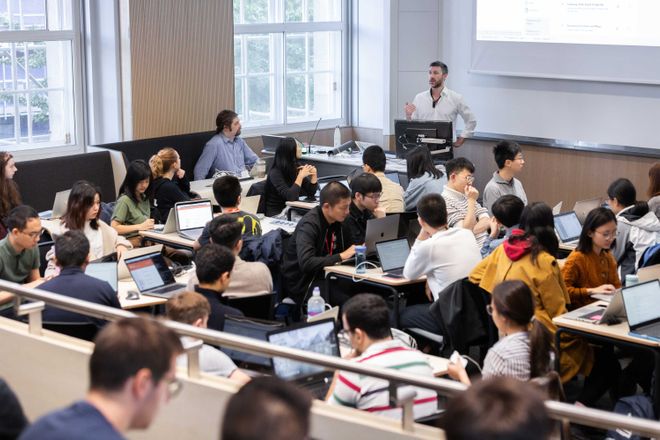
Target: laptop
pixel 59 206
pixel 568 228
pixel 393 176
pixel 380 229
pixel 318 337
pixel 393 255
pixel 643 309
pixel 192 216
pixel 612 313
pixel 152 276
pixel 169 226
pixel 271 142
pixel 122 270
pixel 583 207
pixel 250 328
pixel 648 273
pixel 250 204
pixel 557 208
pixel 104 272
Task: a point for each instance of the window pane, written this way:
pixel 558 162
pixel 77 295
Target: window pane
pixel 312 10
pixel 295 52
pixel 238 96
pixel 258 53
pixel 255 11
pixel 259 99
pixel 296 95
pixel 29 15
pixel 238 56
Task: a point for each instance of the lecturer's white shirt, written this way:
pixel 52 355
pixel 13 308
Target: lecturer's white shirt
pixel 450 105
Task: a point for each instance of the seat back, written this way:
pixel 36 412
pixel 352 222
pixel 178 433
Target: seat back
pixel 81 330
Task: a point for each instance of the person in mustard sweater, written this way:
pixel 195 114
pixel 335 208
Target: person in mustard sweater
pixel 591 268
pixel 528 255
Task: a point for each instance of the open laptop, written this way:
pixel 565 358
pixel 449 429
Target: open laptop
pixel 192 216
pixel 393 255
pixel 152 276
pixel 318 337
pixel 393 176
pixel 104 272
pixel 612 313
pixel 648 273
pixel 250 328
pixel 643 309
pixel 169 226
pixel 59 206
pixel 250 204
pixel 583 207
pixel 557 208
pixel 380 229
pixel 271 142
pixel 568 228
pixel 122 270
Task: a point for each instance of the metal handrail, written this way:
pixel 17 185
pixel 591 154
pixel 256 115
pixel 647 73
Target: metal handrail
pixel 557 410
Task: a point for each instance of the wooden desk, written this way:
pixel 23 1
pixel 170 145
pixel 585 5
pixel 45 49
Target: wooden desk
pixel 171 239
pixel 372 277
pixel 205 187
pixel 299 204
pixel 144 301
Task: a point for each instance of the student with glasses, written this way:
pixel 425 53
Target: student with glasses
pixel 365 205
pixel 424 177
pixel 132 373
pixel 510 162
pixel 591 268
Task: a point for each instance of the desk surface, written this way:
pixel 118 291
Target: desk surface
pixel 205 187
pixel 144 301
pixel 353 159
pixel 302 205
pixel 618 331
pixel 374 275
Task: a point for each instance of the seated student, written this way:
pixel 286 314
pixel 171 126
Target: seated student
pixel 495 409
pixel 132 373
pixel 286 180
pixel 12 417
pixel 373 162
pixel 637 227
pixel 170 184
pixel 192 308
pixel 366 192
pixel 214 265
pixel 319 240
pixel 524 350
pixel 246 277
pixel 83 211
pixel 463 210
pixel 9 195
pixel 227 192
pixel 591 268
pixel 226 151
pixel 132 212
pixel 510 162
pixel 267 408
pixel 424 177
pixel 653 191
pixel 365 318
pixel 506 213
pixel 72 256
pixel 19 254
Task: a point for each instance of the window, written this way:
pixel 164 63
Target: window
pixel 37 62
pixel 289 61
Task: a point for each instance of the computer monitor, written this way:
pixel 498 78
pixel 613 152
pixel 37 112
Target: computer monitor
pixel 437 136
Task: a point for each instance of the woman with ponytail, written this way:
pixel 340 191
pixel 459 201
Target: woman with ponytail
pixel 169 184
pixel 524 350
pixel 9 196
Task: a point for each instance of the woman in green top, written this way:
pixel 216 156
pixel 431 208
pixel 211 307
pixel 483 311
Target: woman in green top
pixel 132 211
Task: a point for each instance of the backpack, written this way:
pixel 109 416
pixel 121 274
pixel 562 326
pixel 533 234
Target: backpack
pixel 636 406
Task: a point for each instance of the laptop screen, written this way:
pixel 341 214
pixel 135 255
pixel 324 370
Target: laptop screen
pixel 149 271
pixel 319 337
pixel 193 215
pixel 394 177
pixel 393 253
pixel 568 226
pixel 641 302
pixel 104 272
pixel 249 329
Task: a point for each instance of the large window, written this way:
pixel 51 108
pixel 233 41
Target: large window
pixel 37 62
pixel 289 61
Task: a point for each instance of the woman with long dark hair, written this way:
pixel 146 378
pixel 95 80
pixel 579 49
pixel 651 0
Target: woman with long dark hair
pixel 9 195
pixel 653 191
pixel 286 180
pixel 591 268
pixel 524 350
pixel 132 212
pixel 169 184
pixel 424 177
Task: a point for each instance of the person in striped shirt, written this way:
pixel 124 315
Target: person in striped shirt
pixel 365 318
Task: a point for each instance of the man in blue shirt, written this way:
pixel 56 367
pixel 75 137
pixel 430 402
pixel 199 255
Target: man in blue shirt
pixel 226 151
pixel 132 372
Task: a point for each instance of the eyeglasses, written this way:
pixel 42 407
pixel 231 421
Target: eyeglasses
pixel 34 234
pixel 174 387
pixel 374 196
pixel 607 235
pixel 489 309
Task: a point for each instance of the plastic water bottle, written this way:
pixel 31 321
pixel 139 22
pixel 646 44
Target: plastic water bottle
pixel 337 140
pixel 631 279
pixel 360 258
pixel 316 303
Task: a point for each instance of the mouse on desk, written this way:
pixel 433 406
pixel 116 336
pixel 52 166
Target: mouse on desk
pixel 132 295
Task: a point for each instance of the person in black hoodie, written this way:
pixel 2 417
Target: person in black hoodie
pixel 320 240
pixel 170 184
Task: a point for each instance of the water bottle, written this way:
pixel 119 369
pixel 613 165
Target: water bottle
pixel 631 279
pixel 360 259
pixel 260 168
pixel 337 141
pixel 316 303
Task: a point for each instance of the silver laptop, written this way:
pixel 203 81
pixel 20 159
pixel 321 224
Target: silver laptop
pixel 169 226
pixel 250 204
pixel 59 206
pixel 104 272
pixel 381 229
pixel 643 309
pixel 583 207
pixel 568 228
pixel 393 255
pixel 557 208
pixel 612 313
pixel 122 270
pixel 192 216
pixel 152 276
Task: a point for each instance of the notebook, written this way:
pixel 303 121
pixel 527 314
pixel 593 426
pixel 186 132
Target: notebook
pixel 152 276
pixel 192 216
pixel 380 229
pixel 104 272
pixel 642 305
pixel 583 207
pixel 318 337
pixel 568 228
pixel 393 255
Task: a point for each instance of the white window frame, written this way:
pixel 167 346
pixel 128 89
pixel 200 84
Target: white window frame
pixel 278 66
pixel 73 36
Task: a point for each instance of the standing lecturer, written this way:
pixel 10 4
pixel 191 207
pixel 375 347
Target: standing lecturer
pixel 225 151
pixel 441 104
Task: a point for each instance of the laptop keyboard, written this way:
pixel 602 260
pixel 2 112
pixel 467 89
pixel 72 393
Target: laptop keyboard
pixel 167 288
pixel 650 331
